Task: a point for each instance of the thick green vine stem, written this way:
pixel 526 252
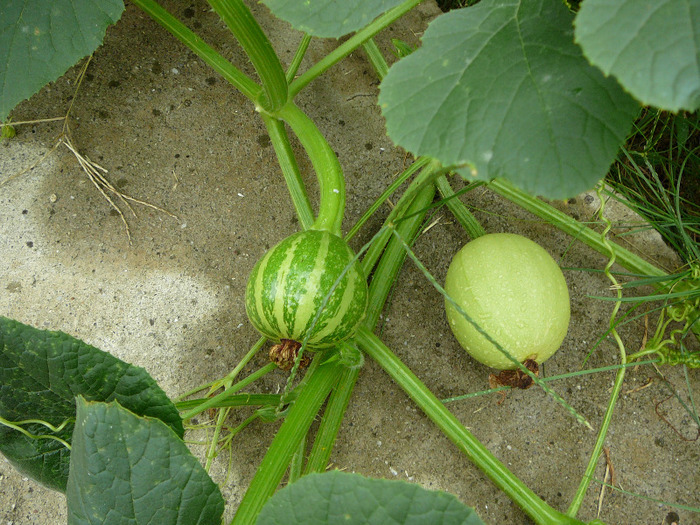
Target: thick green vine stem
pixel 382 199
pixel 286 442
pixel 216 401
pixel 245 28
pixel 386 270
pixel 380 23
pixel 298 57
pixel 336 406
pixel 422 182
pixel 185 35
pixel 515 489
pixel 331 182
pixel 290 169
pixel 473 228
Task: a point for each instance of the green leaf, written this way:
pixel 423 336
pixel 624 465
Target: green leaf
pixel 329 18
pixel 652 47
pixel 501 90
pixel 7 131
pixel 40 40
pixel 341 498
pixel 401 48
pixel 127 469
pixel 41 372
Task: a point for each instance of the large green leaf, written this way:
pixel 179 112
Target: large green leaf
pixel 40 40
pixel 502 90
pixel 41 372
pixel 350 499
pixel 651 46
pixel 329 18
pixel 126 469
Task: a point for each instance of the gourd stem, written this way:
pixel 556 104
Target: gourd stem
pixel 422 181
pixel 393 256
pixel 331 182
pixel 222 66
pixel 503 478
pixel 407 173
pixel 461 213
pixel 350 45
pixel 236 400
pixel 245 28
pixel 294 428
pixel 376 58
pixel 214 402
pixel 290 169
pixel 297 463
pixel 298 57
pixel 331 421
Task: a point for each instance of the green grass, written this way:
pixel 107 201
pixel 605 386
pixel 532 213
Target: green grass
pixel 657 174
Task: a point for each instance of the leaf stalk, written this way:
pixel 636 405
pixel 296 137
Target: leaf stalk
pixel 222 66
pixel 257 46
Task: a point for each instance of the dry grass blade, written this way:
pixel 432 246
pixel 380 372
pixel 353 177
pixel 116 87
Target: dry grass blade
pixel 94 172
pixel 37 121
pixel 608 479
pixel 431 225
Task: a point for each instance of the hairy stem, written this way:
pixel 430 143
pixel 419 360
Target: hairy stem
pixel 505 480
pixel 245 28
pixel 331 421
pixel 298 57
pixel 222 66
pixel 473 228
pixel 290 170
pixel 214 401
pixel 286 442
pixel 351 44
pixel 331 182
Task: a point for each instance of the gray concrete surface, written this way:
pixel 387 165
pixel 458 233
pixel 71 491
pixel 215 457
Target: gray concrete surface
pixel 173 133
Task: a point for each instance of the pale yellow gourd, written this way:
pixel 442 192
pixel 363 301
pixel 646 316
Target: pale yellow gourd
pixel 513 289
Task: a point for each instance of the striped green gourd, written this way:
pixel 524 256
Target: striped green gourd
pixel 288 287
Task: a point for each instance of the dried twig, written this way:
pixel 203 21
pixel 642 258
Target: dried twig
pixel 609 479
pixel 94 171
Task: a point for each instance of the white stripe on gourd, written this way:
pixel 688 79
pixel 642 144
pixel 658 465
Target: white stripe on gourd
pixel 289 284
pixel 280 295
pixel 306 311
